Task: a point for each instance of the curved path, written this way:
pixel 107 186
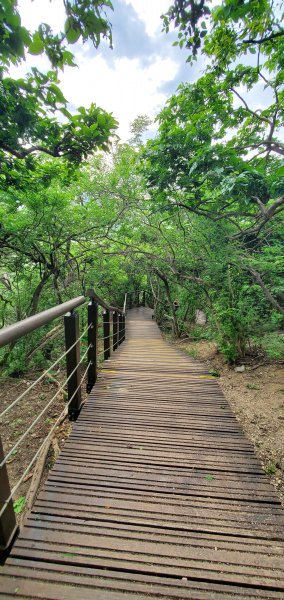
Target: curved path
pixel 156 494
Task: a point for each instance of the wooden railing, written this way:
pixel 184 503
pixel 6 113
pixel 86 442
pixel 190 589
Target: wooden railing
pixel 113 334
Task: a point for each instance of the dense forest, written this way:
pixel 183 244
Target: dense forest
pixel 194 215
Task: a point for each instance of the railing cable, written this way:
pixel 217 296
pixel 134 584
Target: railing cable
pixel 40 448
pixel 105 350
pixel 4 412
pixel 42 412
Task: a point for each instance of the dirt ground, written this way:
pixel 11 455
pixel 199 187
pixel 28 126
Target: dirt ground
pixel 256 396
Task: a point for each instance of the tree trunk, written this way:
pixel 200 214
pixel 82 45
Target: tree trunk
pixel 266 291
pixel 36 295
pixel 168 293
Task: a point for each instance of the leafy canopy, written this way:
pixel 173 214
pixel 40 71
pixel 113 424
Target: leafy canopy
pixel 30 106
pixel 226 31
pixel 217 153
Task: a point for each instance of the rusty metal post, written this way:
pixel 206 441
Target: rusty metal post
pixel 115 330
pixel 106 330
pixel 8 524
pixel 93 343
pixel 71 326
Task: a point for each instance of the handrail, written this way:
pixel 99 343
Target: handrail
pixel 125 302
pixel 92 294
pixel 17 330
pixel 11 333
pixel 113 326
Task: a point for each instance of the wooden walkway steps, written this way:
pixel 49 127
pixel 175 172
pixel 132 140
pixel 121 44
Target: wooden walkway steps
pixel 157 493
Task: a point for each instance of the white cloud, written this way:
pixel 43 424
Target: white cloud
pixel 150 12
pixel 34 12
pixel 127 90
pixel 122 85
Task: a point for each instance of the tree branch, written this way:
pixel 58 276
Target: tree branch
pixel 267 38
pixel 277 147
pixel 21 154
pixel 267 293
pixel 252 112
pixel 263 216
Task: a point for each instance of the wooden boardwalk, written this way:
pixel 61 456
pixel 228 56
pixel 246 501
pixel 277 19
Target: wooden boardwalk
pixel 157 493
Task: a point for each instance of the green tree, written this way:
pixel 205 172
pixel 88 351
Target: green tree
pixel 138 128
pixel 242 43
pixel 227 30
pixel 217 162
pixel 30 106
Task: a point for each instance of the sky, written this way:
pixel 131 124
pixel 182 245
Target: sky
pixel 136 77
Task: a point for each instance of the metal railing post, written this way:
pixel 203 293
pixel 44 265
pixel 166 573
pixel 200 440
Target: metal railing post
pixel 93 343
pixel 115 330
pixel 125 303
pixel 106 330
pixel 123 325
pixel 8 524
pixel 120 329
pixel 71 326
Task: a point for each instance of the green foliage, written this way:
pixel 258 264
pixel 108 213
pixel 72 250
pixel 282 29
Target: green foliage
pixel 194 216
pixel 86 19
pixel 214 175
pixel 199 159
pixel 270 469
pixel 19 505
pixel 209 477
pixel 214 373
pixel 57 242
pixel 192 352
pixel 137 128
pixel 200 333
pixel 273 345
pixel 228 30
pixel 30 107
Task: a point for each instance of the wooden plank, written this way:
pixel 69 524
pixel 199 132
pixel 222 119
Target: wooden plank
pixel 93 582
